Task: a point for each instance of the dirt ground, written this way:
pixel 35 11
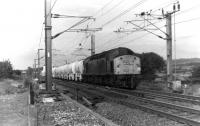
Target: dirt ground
pixel 13 105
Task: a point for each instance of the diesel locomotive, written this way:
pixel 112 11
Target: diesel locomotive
pixel 119 67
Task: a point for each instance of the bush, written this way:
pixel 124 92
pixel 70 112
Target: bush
pixel 6 69
pixel 150 64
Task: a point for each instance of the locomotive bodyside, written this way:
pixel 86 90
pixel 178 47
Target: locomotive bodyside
pixel 119 67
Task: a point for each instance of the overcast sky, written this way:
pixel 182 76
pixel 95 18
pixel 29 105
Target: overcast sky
pixel 22 20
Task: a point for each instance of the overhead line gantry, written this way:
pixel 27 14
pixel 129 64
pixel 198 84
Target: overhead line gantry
pixel 49 37
pixel 147 17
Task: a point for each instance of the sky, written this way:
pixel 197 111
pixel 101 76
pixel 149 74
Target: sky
pixel 22 31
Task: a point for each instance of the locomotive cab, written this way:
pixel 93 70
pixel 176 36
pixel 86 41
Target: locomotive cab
pixel 126 64
pixel 118 67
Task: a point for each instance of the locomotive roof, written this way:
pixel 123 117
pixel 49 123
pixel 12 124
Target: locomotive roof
pixel 107 54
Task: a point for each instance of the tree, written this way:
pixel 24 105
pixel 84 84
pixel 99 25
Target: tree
pixel 29 71
pixel 150 64
pixel 17 72
pixel 6 69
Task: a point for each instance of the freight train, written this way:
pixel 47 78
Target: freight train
pixel 119 67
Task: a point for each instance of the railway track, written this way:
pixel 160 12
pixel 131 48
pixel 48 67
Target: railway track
pixel 174 112
pixel 162 95
pixel 195 98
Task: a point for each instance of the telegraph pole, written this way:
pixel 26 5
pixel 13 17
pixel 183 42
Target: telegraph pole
pixel 35 71
pixel 169 46
pixel 39 64
pixel 48 46
pixel 92 44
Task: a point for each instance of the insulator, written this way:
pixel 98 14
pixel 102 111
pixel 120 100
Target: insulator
pixel 179 6
pixel 162 12
pixel 174 7
pixel 142 14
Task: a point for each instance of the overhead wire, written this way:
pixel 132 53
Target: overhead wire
pixel 132 40
pixel 165 5
pixel 188 20
pixel 110 43
pixel 107 4
pixel 123 13
pixel 103 7
pixel 108 35
pixel 110 1
pixel 83 20
pixel 128 35
pixel 148 31
pixel 176 22
pixel 105 42
pixel 168 4
pixel 108 11
pixel 73 45
pixel 198 18
pixel 78 41
pixel 52 7
pixel 76 24
pixel 71 48
pixel 42 29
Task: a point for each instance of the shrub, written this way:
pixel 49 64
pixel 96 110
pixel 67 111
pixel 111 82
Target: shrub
pixel 6 69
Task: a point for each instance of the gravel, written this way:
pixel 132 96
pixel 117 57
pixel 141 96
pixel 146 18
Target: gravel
pixel 125 116
pixel 65 113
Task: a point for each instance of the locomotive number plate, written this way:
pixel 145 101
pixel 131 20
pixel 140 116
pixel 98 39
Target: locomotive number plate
pixel 126 62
